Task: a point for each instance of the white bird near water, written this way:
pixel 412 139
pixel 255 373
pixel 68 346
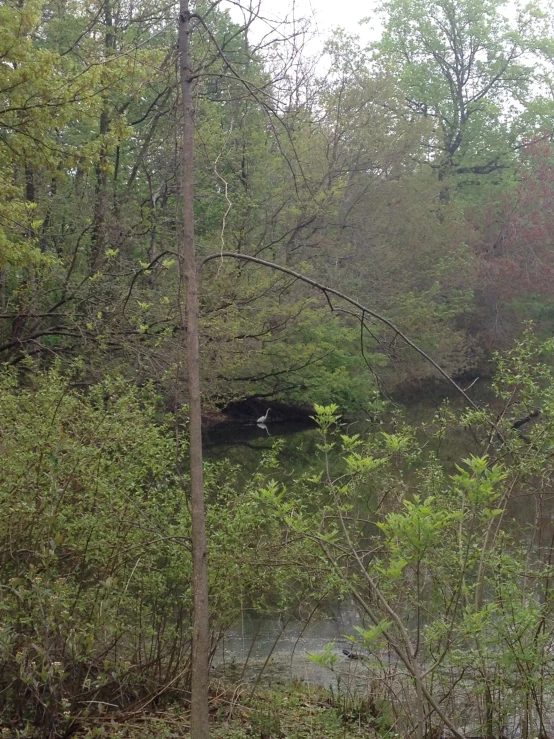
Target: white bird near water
pixel 263 419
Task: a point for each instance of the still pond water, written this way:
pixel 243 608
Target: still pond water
pixel 279 649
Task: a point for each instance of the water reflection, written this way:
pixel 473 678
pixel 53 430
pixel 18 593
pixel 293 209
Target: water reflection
pixel 219 440
pixel 282 649
pixel 244 445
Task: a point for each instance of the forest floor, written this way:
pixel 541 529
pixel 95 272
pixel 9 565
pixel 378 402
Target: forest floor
pixel 294 711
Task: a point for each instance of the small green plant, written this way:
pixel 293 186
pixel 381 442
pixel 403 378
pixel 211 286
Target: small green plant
pixel 265 722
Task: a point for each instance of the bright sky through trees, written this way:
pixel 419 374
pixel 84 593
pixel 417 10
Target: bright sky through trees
pixel 329 15
pixel 325 16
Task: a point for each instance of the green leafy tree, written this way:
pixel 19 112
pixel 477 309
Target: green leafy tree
pixel 466 66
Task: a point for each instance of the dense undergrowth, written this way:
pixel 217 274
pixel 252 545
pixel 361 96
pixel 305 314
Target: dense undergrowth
pixel 95 564
pixel 417 176
pixel 295 710
pixel 453 588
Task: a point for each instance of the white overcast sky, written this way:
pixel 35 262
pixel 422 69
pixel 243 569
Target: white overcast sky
pixel 328 14
pixel 325 15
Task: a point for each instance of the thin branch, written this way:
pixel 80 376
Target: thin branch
pixel 363 309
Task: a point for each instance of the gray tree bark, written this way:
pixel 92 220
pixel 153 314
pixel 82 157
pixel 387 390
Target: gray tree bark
pixel 188 270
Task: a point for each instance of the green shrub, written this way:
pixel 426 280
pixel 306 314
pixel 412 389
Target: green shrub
pixel 95 564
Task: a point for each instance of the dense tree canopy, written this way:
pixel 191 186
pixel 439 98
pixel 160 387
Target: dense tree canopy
pixel 384 176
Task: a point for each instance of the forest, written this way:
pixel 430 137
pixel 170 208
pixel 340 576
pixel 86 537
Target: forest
pixel 204 218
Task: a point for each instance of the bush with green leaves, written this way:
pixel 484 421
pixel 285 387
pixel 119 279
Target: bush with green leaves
pixel 95 570
pixel 454 587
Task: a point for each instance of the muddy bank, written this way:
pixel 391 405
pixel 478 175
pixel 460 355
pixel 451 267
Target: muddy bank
pixel 408 393
pixel 248 410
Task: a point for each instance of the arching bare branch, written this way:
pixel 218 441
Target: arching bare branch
pixel 326 290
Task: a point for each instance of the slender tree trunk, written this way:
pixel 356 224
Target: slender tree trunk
pixel 200 633
pixel 101 201
pixel 102 198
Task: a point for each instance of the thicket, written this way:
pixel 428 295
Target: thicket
pixel 457 621
pixel 95 561
pixel 453 583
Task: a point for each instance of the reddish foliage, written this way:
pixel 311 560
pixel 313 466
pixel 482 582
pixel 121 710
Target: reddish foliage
pixel 513 239
pixel 520 255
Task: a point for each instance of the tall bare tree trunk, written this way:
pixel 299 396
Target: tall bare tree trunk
pixel 102 199
pixel 200 633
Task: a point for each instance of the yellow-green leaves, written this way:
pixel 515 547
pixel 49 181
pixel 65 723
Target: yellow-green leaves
pixel 480 481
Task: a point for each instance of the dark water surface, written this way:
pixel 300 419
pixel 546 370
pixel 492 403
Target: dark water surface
pixel 255 643
pixel 281 649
